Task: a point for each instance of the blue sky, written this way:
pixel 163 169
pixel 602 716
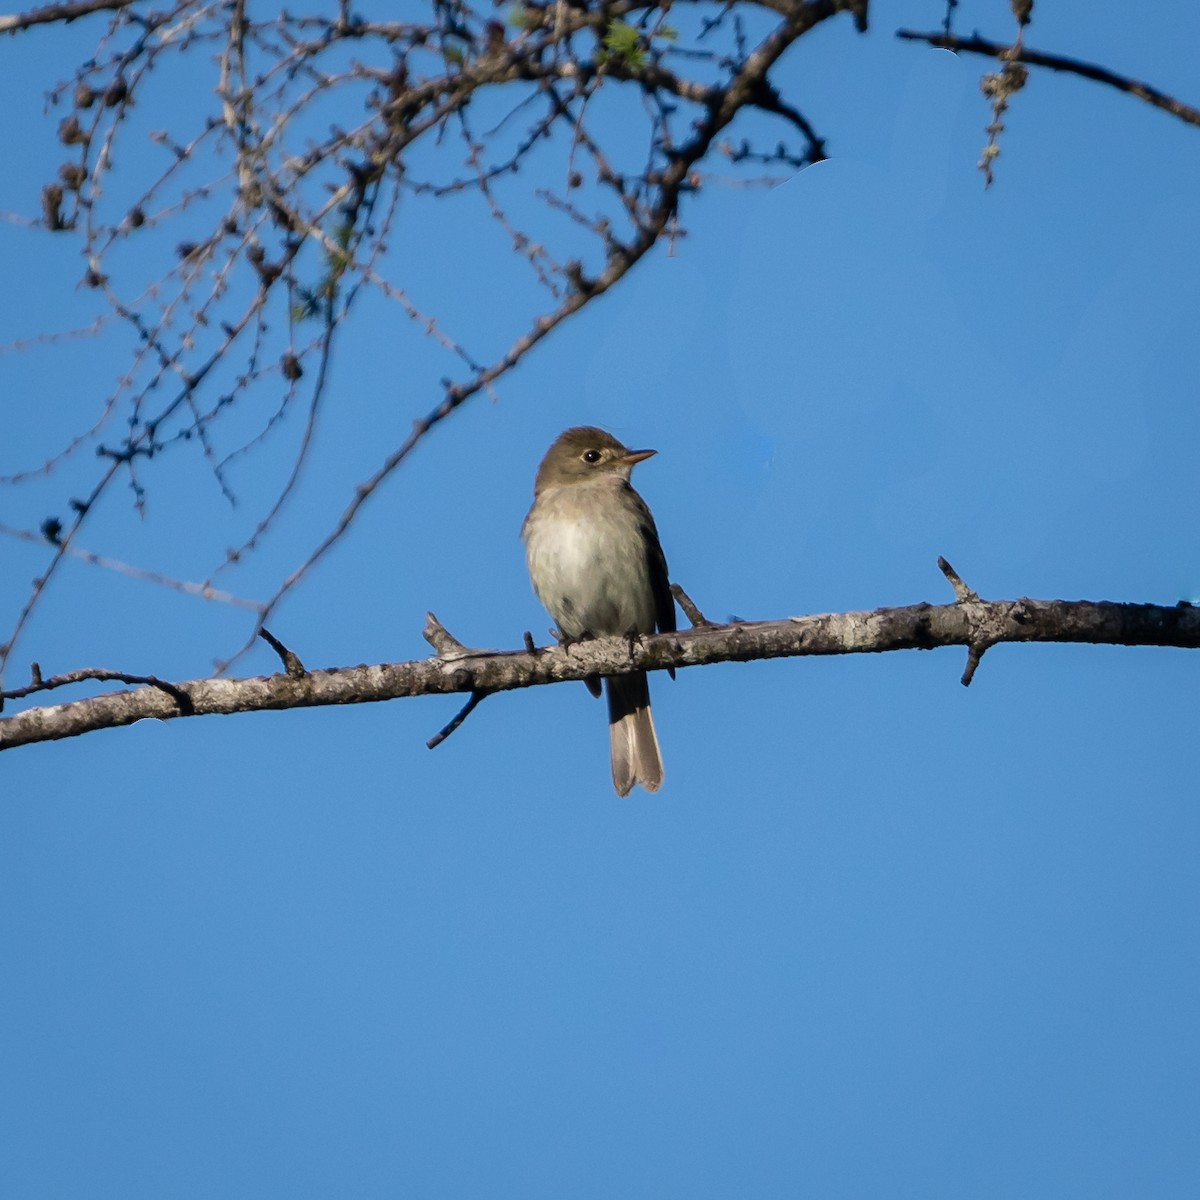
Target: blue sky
pixel 878 935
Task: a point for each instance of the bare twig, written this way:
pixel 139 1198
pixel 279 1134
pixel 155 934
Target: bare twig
pixel 980 640
pixel 290 659
pixel 463 713
pixel 975 653
pixel 693 614
pixel 441 639
pixel 178 692
pixel 205 591
pixel 962 593
pixel 52 14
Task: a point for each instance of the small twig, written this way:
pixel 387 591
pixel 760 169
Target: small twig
pixel 975 653
pixel 441 639
pixel 962 593
pixel 463 713
pixel 768 99
pixel 530 644
pixel 37 683
pixel 57 12
pixel 693 614
pixel 291 660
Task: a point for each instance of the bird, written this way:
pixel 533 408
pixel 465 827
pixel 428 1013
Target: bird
pixel 598 568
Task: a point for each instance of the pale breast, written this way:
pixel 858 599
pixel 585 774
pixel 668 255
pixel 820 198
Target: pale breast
pixel 587 559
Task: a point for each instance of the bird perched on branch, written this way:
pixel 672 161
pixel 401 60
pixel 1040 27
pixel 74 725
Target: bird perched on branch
pixel 596 564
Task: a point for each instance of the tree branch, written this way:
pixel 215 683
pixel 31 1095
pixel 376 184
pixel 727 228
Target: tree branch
pixel 746 87
pixel 52 13
pixel 1056 62
pixel 971 622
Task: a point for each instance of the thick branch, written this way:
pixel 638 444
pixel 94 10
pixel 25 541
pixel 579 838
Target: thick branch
pixel 917 627
pixel 1056 62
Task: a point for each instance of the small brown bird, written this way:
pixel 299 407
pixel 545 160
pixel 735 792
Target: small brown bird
pixel 596 564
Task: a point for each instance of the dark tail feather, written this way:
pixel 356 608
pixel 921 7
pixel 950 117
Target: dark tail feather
pixel 635 754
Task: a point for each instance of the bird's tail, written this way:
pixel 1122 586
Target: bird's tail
pixel 635 754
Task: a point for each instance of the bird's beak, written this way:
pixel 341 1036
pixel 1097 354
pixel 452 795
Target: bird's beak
pixel 636 456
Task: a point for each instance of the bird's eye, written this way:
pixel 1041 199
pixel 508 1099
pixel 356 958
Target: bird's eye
pixel 591 456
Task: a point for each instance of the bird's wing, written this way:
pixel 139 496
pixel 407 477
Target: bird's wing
pixel 656 566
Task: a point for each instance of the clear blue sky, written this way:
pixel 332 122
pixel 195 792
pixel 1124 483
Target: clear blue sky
pixel 878 936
